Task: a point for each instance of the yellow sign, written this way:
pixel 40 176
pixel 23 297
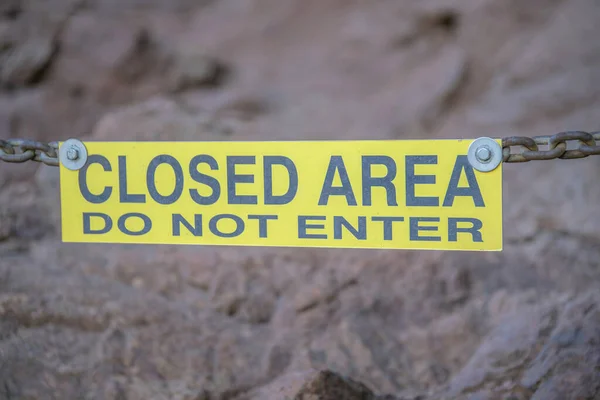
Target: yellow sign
pixel 421 194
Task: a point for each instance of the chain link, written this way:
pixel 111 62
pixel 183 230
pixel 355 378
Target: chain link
pixel 556 146
pixel 20 150
pixel 586 144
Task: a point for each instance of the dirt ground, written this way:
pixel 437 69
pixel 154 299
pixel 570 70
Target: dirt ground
pixel 162 322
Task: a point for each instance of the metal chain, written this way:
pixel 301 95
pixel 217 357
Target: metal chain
pixel 20 150
pixel 586 144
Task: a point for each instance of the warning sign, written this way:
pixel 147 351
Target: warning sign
pixel 421 194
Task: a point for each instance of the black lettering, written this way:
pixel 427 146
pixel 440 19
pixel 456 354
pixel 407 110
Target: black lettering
pixel 232 179
pixel 239 225
pixel 205 179
pixel 387 225
pixel 336 163
pixel 151 179
pixel 474 229
pixel 125 197
pixel 303 226
pixel 195 230
pixel 262 223
pixel 83 188
pixel 369 182
pixel 360 233
pixel 123 228
pixel 462 163
pixel 415 228
pixel 87 224
pixel 269 161
pixel 412 180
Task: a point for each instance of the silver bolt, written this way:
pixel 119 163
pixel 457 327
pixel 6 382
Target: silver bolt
pixel 73 153
pixel 483 154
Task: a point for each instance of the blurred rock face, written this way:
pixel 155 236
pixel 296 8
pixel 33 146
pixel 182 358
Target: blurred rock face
pixel 114 322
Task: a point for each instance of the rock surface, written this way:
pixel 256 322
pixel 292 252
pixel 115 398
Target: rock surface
pixel 311 385
pixel 164 322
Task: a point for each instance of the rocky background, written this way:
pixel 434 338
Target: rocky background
pixel 160 322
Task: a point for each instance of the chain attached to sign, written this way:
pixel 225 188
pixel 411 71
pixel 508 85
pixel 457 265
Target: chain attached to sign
pixel 587 144
pixel 407 194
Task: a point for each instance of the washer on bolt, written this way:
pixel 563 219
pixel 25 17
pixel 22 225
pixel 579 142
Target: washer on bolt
pixel 485 154
pixel 73 154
